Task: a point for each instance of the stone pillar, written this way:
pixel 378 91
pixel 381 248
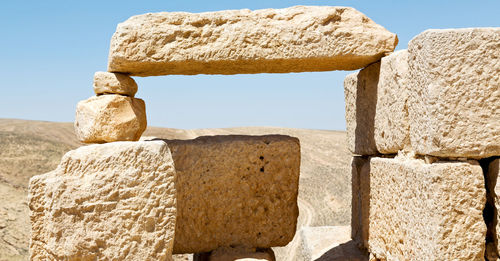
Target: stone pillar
pixel 426 127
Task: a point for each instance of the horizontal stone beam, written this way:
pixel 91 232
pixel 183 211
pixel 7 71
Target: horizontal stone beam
pixel 235 190
pixel 295 39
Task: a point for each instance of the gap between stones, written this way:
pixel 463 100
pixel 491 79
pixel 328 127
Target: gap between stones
pixel 490 211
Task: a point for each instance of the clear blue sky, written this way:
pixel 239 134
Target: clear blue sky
pixel 49 51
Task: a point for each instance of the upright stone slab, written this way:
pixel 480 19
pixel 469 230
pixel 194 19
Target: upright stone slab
pixel 420 211
pixel 454 107
pixel 295 39
pixel 360 203
pixel 360 90
pixel 235 190
pixel 391 131
pixel 113 201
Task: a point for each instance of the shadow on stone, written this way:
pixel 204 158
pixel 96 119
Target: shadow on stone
pixel 348 251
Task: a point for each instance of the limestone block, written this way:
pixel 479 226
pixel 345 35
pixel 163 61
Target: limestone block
pixel 391 116
pixel 114 83
pixel 421 211
pixel 360 91
pixel 295 39
pixel 238 253
pixel 454 102
pixel 493 215
pixel 109 118
pixel 331 243
pixel 111 201
pixel 360 203
pixel 235 190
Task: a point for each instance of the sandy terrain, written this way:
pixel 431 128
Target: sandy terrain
pixel 28 148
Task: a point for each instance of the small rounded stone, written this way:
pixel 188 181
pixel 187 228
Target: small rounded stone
pixel 114 83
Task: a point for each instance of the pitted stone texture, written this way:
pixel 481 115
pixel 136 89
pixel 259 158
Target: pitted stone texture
pixel 420 211
pixel 235 190
pixel 114 83
pixel 111 201
pixel 454 102
pixel 109 118
pixel 360 204
pixel 493 186
pixel 295 39
pixel 360 91
pixel 391 117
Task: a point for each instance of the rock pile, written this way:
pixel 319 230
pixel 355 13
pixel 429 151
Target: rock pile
pixel 113 114
pixel 425 124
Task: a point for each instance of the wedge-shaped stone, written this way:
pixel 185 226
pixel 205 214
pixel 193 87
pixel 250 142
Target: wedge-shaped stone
pixel 421 211
pixel 493 215
pixel 105 202
pixel 391 115
pixel 109 118
pixel 295 39
pixel 360 91
pixel 114 83
pixel 235 190
pixel 454 107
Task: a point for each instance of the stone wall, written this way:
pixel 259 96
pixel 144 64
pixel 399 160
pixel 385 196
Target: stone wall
pixel 425 126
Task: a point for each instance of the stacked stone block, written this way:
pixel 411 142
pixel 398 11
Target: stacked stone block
pixel 113 201
pixel 429 128
pixel 120 201
pixel 149 199
pixel 113 114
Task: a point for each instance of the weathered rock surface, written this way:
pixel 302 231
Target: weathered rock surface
pixel 391 116
pixel 109 118
pixel 454 107
pixel 235 190
pixel 360 91
pixel 493 216
pixel 330 243
pixel 105 202
pixel 114 83
pixel 422 211
pixel 360 203
pixel 238 253
pixel 295 39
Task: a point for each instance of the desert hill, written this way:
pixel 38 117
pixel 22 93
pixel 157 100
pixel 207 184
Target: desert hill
pixel 29 148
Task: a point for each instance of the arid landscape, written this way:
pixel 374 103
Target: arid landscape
pixel 29 148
